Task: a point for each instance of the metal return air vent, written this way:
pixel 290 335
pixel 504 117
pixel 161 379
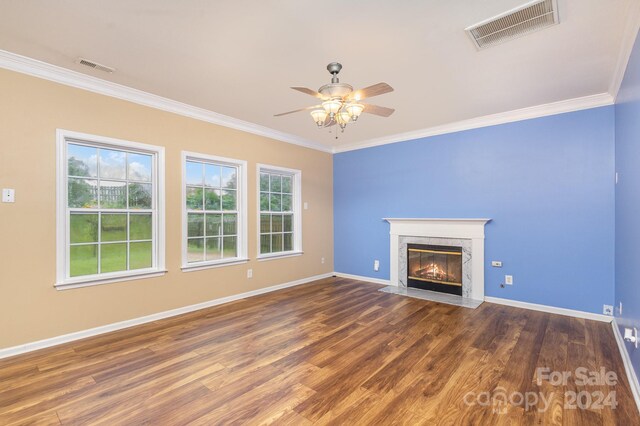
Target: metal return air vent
pixel 95 65
pixel 515 23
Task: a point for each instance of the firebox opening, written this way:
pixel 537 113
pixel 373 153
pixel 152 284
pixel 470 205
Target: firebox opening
pixel 435 268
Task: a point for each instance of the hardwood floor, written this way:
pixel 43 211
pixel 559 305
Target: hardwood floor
pixel 334 351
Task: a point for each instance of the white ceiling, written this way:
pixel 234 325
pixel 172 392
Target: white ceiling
pixel 240 57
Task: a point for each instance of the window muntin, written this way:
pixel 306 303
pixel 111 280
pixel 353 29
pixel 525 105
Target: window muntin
pixel 278 217
pixel 108 215
pixel 213 210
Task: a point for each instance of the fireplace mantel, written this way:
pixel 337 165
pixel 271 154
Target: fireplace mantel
pixel 471 229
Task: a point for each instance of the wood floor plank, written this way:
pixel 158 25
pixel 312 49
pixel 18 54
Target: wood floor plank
pixel 336 351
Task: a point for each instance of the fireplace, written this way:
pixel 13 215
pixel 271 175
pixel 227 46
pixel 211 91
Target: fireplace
pixel 435 268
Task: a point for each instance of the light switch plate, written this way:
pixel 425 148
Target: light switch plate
pixel 508 279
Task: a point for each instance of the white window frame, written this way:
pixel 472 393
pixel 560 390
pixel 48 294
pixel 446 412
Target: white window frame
pixel 63 279
pixel 297 211
pixel 242 234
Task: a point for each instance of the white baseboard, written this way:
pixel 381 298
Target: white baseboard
pixel 628 366
pixel 549 309
pixel 53 341
pixel 363 278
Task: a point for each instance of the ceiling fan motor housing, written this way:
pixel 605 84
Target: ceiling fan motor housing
pixel 335 90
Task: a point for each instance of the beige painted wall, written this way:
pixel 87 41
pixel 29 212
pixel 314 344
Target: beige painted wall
pixel 31 110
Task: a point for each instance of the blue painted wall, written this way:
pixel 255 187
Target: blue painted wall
pixel 627 287
pixel 547 183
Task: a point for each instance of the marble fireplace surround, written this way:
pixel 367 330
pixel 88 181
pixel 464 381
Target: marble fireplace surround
pixel 465 233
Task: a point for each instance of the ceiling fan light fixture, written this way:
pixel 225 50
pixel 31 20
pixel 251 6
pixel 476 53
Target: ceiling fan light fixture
pixel 332 106
pixel 354 110
pixel 319 116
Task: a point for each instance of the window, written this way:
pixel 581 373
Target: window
pixel 214 211
pixel 279 216
pixel 109 209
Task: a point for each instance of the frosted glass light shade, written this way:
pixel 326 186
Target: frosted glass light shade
pixel 319 115
pixel 332 106
pixel 354 110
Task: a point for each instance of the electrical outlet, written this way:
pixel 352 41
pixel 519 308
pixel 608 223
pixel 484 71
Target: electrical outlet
pixel 8 195
pixel 249 273
pixel 508 279
pixel 607 309
pixel 496 263
pixel 306 205
pixel 376 265
pixel 322 260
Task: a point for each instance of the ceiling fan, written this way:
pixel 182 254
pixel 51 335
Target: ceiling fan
pixel 340 103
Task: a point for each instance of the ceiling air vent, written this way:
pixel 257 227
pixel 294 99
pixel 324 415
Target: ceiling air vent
pixel 95 65
pixel 517 22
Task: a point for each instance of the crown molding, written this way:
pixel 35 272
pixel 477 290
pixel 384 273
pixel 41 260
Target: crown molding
pixel 586 102
pixel 33 67
pixel 632 26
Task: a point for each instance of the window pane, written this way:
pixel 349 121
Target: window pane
pixel 212 199
pixel 288 242
pixel 83 193
pixel 113 257
pixel 82 160
pixel 113 195
pixel 194 198
pixel 214 248
pixel 230 224
pixel 264 202
pixel 276 243
pixel 265 223
pixel 264 182
pixel 140 226
pixel 228 200
pixel 140 255
pixel 276 223
pixel 195 250
pixel 195 225
pixel 214 224
pixel 83 228
pixel 139 167
pixel 276 203
pixel 113 227
pixel 83 260
pixel 286 203
pixel 140 196
pixel 286 184
pixel 229 247
pixel 287 223
pixel 265 243
pixel 276 183
pixel 229 179
pixel 194 173
pixel 212 175
pixel 112 164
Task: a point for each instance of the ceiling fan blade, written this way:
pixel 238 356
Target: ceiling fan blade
pixel 371 91
pixel 378 110
pixel 308 92
pixel 297 110
pixel 330 122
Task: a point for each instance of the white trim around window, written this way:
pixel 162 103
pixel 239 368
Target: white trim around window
pixel 241 211
pixel 296 177
pixel 64 280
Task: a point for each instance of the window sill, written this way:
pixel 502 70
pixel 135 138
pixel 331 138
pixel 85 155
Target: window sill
pixel 79 282
pixel 274 256
pixel 216 264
